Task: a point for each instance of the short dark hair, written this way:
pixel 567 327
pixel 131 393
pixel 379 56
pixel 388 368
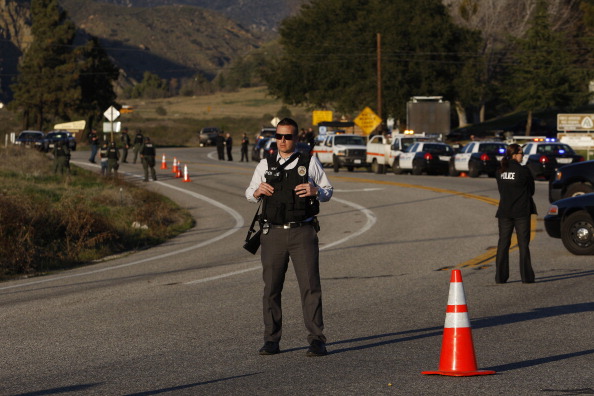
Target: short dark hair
pixel 291 122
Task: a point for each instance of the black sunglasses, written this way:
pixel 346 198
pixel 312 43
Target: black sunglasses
pixel 280 136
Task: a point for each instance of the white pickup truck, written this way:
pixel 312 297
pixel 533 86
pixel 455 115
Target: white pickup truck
pixel 341 150
pixel 381 150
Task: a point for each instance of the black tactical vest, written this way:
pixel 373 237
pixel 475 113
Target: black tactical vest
pixel 284 205
pixel 148 149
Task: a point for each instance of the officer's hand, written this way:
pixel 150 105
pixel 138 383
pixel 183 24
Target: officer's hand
pixel 306 190
pixel 264 189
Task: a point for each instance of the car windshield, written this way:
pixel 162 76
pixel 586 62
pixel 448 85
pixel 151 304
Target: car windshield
pixel 555 148
pixel 492 148
pixel 407 142
pixel 30 135
pixel 354 140
pixel 437 148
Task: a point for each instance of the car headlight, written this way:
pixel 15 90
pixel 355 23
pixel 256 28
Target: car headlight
pixel 558 175
pixel 341 152
pixel 553 210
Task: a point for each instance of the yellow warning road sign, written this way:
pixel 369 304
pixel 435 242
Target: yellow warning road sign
pixel 367 120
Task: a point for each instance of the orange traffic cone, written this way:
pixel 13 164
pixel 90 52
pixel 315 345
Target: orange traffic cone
pixel 463 174
pixel 178 173
pixel 175 166
pixel 163 163
pixel 457 350
pixel 186 176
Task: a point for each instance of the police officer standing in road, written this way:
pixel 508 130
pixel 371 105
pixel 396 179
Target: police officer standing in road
pixel 113 155
pixel 245 142
pixel 61 157
pixel 125 138
pixel 147 156
pixel 221 146
pixel 229 146
pixel 138 142
pixel 516 188
pixel 291 186
pixel 94 142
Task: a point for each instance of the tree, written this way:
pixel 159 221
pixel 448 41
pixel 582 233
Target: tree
pixel 97 75
pixel 542 75
pixel 500 21
pixel 329 54
pixel 47 85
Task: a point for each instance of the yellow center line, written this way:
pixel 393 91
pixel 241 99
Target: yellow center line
pixel 479 261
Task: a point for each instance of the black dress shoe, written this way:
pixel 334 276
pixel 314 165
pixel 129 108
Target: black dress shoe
pixel 317 348
pixel 269 348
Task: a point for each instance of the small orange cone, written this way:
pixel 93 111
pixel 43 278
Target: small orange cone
pixel 178 174
pixel 463 174
pixel 163 163
pixel 175 166
pixel 457 350
pixel 186 176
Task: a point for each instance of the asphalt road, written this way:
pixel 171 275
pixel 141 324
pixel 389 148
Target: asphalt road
pixel 184 318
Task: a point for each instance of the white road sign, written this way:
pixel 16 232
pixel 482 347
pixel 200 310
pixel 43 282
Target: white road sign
pixel 112 113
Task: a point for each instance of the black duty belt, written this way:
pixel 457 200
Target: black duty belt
pixel 286 226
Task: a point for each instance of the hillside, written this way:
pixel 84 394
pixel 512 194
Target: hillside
pixel 171 41
pixel 256 15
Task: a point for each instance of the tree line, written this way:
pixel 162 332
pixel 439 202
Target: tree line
pixel 488 57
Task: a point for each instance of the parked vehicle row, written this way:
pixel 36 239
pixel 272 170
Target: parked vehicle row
pixel 45 142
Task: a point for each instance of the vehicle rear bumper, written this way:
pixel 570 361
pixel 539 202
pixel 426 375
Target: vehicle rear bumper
pixel 553 226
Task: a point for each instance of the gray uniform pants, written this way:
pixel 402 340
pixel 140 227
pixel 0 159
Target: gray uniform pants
pixel 301 245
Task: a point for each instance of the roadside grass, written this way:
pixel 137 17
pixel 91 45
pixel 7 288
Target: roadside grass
pixel 51 222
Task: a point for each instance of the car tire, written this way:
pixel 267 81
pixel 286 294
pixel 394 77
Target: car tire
pixel 416 169
pixel 452 170
pixel 577 233
pixel 578 189
pixel 396 167
pixel 473 170
pixel 335 164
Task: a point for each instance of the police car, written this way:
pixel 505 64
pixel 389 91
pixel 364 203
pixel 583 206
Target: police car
pixel 429 157
pixel 544 156
pixel 477 158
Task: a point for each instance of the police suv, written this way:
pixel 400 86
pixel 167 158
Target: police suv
pixel 477 158
pixel 543 156
pixel 429 157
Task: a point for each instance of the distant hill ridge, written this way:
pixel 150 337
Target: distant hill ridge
pixel 256 15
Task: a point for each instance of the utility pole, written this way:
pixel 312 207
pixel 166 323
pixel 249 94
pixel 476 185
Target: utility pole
pixel 379 75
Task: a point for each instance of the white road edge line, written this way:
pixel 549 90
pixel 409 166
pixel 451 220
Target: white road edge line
pixel 238 224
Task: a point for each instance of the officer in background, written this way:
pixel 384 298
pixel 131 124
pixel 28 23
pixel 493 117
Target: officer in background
pixel 245 142
pixel 291 186
pixel 61 157
pixel 138 142
pixel 221 146
pixel 516 188
pixel 103 158
pixel 125 139
pixel 113 156
pixel 229 146
pixel 94 142
pixel 147 156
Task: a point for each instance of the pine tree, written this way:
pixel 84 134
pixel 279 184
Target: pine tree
pixel 47 86
pixel 97 76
